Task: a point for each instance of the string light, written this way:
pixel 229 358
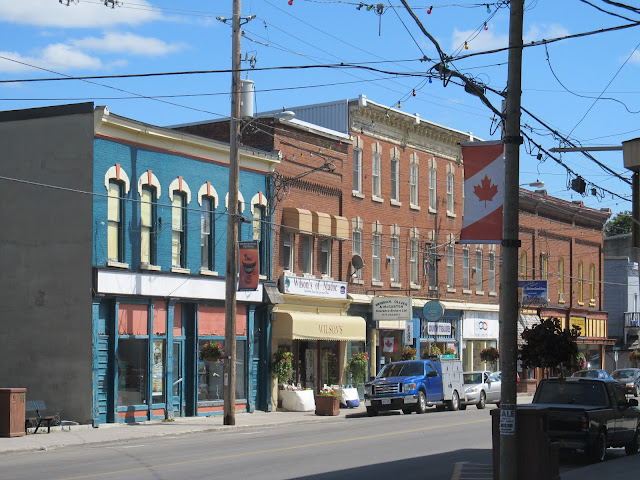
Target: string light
pixel 360 6
pixel 386 115
pixel 466 46
pixel 488 8
pixel 486 27
pixel 429 11
pixel 399 104
pixel 369 8
pixel 290 2
pixel 373 124
pixel 430 81
pixel 414 92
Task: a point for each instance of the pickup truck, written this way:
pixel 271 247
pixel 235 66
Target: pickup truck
pixel 589 414
pixel 414 385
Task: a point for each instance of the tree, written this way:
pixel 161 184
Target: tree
pixel 621 223
pixel 547 345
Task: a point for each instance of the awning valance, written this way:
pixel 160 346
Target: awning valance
pixel 297 218
pixel 321 223
pixel 340 227
pixel 318 326
pixel 526 321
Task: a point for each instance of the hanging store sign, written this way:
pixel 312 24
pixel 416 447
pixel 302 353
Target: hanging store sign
pixel 313 287
pixel 533 292
pixel 391 308
pixel 249 258
pixel 408 334
pixel 438 328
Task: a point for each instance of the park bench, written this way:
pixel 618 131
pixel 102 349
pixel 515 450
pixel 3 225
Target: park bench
pixel 40 418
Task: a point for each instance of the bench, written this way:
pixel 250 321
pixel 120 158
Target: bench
pixel 40 419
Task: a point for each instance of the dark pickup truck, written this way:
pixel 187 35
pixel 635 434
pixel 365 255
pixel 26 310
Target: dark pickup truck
pixel 589 414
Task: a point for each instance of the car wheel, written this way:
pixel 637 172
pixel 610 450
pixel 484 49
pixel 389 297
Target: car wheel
pixel 421 406
pixel 598 449
pixel 463 406
pixel 632 447
pixel 482 402
pixel 372 412
pixel 454 403
pixel 636 392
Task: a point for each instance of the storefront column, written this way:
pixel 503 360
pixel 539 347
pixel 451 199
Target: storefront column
pixel 273 380
pixel 342 363
pixel 373 358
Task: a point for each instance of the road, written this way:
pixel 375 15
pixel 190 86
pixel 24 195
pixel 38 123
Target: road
pixel 437 445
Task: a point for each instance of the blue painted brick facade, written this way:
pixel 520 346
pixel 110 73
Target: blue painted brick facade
pixel 135 161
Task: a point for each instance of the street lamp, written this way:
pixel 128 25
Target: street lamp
pixel 536 184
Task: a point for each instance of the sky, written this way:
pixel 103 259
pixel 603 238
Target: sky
pixel 584 89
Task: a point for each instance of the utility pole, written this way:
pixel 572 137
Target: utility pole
pixel 510 243
pixel 232 226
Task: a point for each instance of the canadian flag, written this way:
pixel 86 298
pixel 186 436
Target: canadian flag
pixel 389 344
pixel 483 192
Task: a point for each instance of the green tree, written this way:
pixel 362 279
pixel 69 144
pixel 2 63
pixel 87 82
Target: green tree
pixel 621 223
pixel 547 345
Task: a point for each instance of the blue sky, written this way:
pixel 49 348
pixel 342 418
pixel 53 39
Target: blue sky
pixel 568 84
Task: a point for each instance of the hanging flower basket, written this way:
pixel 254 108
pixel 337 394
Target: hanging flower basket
pixel 211 351
pixel 408 353
pixel 282 365
pixel 634 356
pixel 490 354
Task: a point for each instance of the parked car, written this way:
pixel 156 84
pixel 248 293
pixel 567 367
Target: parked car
pixel 481 387
pixel 589 414
pixel 591 373
pixel 628 378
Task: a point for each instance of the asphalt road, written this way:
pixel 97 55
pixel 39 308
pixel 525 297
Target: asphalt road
pixel 437 445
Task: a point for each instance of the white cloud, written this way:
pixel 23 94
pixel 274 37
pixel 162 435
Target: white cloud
pixel 50 13
pixel 128 43
pixel 544 32
pixel 58 57
pixel 487 40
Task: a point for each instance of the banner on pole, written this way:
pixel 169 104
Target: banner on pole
pixel 249 256
pixel 484 192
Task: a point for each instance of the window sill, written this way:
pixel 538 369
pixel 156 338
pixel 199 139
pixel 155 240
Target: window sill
pixel 561 301
pixel 395 203
pixel 206 271
pixel 396 285
pixel 357 281
pixel 414 286
pixel 375 283
pixel 451 290
pixel 466 291
pixel 377 199
pixel 262 277
pixel 480 292
pixel 493 294
pixel 592 304
pixel 414 207
pixel 451 214
pixel 148 266
pixel 357 194
pixel 327 277
pixel 433 289
pixel 113 263
pixel 180 270
pixel 581 304
pixel 432 210
pixel 308 275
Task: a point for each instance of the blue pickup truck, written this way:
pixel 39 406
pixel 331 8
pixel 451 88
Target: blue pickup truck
pixel 414 385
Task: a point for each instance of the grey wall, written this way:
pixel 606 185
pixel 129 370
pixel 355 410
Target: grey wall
pixel 45 257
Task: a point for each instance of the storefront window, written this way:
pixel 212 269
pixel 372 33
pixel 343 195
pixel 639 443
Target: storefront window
pixel 329 369
pixel 157 371
pixel 132 371
pixel 210 375
pixel 471 355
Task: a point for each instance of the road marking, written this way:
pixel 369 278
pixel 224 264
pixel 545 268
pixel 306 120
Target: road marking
pixel 276 450
pixel 472 471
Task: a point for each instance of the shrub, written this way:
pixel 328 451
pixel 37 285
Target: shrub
pixel 282 365
pixel 358 367
pixel 408 353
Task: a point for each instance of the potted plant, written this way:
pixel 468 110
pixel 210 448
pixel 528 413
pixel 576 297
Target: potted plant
pixel 211 351
pixel 581 361
pixel 282 365
pixel 408 353
pixel 449 351
pixel 433 351
pixel 327 402
pixel 358 367
pixel 634 357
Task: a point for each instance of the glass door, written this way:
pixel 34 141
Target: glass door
pixel 178 383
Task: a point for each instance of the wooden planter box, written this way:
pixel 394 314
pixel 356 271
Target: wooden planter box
pixel 327 405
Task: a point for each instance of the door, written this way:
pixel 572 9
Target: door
pixel 178 383
pixel 434 384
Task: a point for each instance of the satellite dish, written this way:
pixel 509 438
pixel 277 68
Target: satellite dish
pixel 357 262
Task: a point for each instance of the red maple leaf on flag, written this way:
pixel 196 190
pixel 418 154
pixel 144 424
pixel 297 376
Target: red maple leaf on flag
pixel 485 191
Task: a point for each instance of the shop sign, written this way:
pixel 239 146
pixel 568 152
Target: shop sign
pixel 249 259
pixel 391 324
pixel 533 292
pixel 408 334
pixel 313 287
pixel 581 323
pixel 391 308
pixel 438 328
pixel 432 311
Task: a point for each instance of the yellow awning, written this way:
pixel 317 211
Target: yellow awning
pixel 340 227
pixel 321 223
pixel 297 218
pixel 318 326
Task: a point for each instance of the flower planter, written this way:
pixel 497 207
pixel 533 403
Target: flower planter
pixel 327 405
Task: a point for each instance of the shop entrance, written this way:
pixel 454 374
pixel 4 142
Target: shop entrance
pixel 316 363
pixel 178 382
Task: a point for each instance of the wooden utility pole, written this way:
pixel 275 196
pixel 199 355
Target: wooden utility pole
pixel 510 243
pixel 232 227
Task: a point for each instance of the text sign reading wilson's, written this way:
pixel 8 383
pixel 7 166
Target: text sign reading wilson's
pixel 313 287
pixel 391 308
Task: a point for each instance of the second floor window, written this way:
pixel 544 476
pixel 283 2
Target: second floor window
pixel 207 234
pixel 433 204
pixel 479 270
pixel 260 234
pixel 325 257
pixel 544 266
pixel 561 280
pixel 413 261
pixel 307 254
pixel 395 258
pixel 450 204
pixel 357 170
pixel 592 283
pixel 147 225
pixel 492 272
pixel 580 285
pixel 395 179
pixel 375 175
pixel 356 245
pixel 451 266
pixel 432 266
pixel 178 231
pixel 413 183
pixel 287 251
pixel 376 251
pixel 523 265
pixel 466 268
pixel 115 214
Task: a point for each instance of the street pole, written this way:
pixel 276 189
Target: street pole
pixel 232 227
pixel 510 244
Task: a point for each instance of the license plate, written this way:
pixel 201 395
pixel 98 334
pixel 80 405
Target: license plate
pixel 386 401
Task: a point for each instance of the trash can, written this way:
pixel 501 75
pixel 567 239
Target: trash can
pixel 12 411
pixel 537 456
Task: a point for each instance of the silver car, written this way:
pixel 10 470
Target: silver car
pixel 481 387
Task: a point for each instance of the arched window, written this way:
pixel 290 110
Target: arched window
pixel 149 191
pixel 592 284
pixel 116 181
pixel 580 285
pixel 523 265
pixel 561 280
